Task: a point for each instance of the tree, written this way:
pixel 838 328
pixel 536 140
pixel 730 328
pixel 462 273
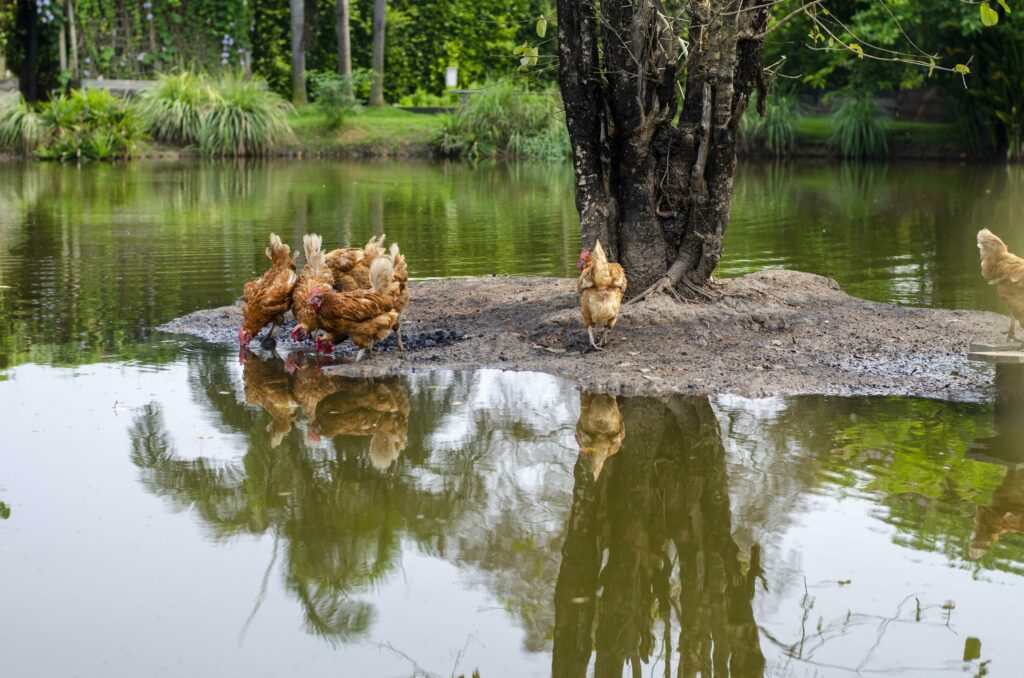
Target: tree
pixel 655 189
pixel 654 91
pixel 344 44
pixel 298 21
pixel 380 10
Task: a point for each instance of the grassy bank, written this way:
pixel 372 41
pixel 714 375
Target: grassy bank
pixel 368 132
pixel 905 139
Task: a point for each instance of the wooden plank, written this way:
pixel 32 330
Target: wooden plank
pixel 998 357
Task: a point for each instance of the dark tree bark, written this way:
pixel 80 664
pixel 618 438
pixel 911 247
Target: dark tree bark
pixel 298 21
pixel 380 18
pixel 653 95
pixel 344 42
pixel 27 28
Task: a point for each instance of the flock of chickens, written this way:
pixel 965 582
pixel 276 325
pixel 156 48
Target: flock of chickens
pixel 349 293
pixel 360 294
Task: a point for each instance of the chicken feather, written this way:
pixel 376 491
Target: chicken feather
pixel 1006 271
pixel 266 299
pixel 601 286
pixel 315 275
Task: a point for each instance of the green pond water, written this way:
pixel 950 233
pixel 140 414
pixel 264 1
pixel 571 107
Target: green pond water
pixel 166 510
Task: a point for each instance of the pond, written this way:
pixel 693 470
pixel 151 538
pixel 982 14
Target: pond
pixel 166 510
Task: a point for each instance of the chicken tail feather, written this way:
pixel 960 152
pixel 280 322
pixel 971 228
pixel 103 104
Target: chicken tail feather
pixel 277 251
pixel 382 272
pixel 311 244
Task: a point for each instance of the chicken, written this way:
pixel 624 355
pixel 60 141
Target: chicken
pixel 1006 271
pixel 267 298
pixel 600 429
pixel 267 386
pixel 364 316
pixel 351 265
pixel 601 286
pixel 401 276
pixel 1004 514
pixel 315 275
pixel 378 408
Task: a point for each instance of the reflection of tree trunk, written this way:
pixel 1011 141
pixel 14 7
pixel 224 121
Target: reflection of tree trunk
pixel 667 486
pixel 377 212
pixel 576 588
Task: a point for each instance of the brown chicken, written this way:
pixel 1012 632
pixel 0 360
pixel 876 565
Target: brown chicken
pixel 378 408
pixel 401 276
pixel 267 298
pixel 351 265
pixel 314 275
pixel 601 286
pixel 267 386
pixel 364 316
pixel 1006 271
pixel 600 429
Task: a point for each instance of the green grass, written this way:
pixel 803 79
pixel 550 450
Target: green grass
pixel 370 131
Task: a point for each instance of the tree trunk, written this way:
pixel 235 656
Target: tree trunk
pixel 344 44
pixel 380 11
pixel 654 174
pixel 298 17
pixel 27 28
pixel 69 9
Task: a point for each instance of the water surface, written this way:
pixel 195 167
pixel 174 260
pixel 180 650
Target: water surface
pixel 165 510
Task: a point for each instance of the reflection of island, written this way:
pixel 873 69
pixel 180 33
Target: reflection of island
pixel 649 548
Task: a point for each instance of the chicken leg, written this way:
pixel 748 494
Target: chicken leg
pixel 1011 334
pixel 604 337
pixel 269 343
pixel 398 335
pixel 593 343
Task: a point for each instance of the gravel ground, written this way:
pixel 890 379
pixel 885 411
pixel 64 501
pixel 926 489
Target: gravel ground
pixel 768 333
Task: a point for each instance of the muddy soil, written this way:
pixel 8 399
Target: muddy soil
pixel 768 333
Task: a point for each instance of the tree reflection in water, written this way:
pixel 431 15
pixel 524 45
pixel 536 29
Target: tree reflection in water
pixel 649 549
pixel 339 517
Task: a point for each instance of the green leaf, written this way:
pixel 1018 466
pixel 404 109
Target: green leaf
pixel 989 17
pixel 520 49
pixel 931 66
pixel 1006 8
pixel 858 49
pixel 542 26
pixel 962 69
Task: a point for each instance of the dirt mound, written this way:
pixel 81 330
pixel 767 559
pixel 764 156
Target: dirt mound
pixel 768 333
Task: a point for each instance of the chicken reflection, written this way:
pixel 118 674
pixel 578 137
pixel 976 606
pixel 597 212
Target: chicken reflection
pixel 650 570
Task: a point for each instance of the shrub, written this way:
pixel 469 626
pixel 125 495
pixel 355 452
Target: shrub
pixel 333 95
pixel 90 124
pixel 244 118
pixel 424 99
pixel 20 127
pixel 775 132
pixel 859 131
pixel 503 119
pixel 173 110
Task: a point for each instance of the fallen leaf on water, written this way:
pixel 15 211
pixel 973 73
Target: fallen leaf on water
pixel 204 437
pixel 224 392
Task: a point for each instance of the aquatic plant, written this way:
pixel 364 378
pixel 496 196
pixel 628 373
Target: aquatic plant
pixel 20 127
pixel 173 110
pixel 859 131
pixel 503 119
pixel 244 119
